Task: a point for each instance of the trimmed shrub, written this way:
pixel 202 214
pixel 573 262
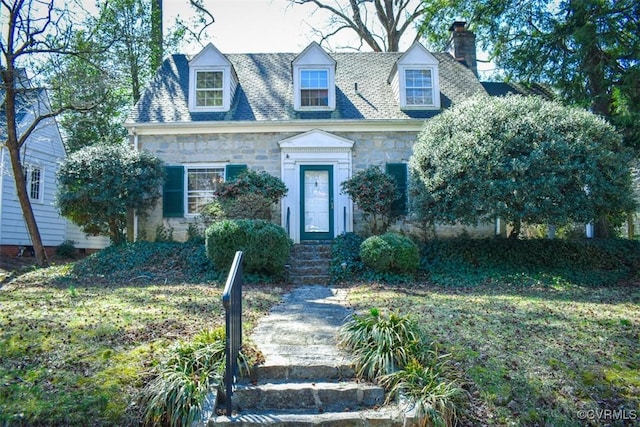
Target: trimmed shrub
pixel 266 246
pixel 406 255
pixel 390 253
pixel 247 206
pixel 252 182
pixel 377 254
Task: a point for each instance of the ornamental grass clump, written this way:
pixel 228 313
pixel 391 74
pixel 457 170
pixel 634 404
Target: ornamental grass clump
pixel 394 351
pixel 380 344
pixel 176 396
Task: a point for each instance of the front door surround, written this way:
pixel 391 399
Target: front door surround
pixel 323 158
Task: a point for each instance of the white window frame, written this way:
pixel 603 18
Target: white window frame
pixel 325 88
pixel 187 193
pixel 193 90
pixel 216 90
pixel 29 169
pixel 435 87
pixel 425 88
pixel 331 91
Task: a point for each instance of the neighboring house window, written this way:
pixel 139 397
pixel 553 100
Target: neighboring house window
pixel 209 88
pixel 33 178
pixel 202 184
pixel 400 173
pixel 188 188
pixel 314 88
pixel 419 87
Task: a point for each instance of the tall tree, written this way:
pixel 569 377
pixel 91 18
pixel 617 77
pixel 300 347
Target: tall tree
pixel 588 49
pixel 35 34
pixel 380 24
pixel 125 58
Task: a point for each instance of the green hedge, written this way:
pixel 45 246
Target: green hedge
pixel 462 262
pixel 266 246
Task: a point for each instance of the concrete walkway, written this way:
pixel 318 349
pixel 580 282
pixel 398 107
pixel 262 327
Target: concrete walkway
pixel 301 331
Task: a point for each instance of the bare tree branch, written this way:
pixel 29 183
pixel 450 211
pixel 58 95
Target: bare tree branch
pixel 383 32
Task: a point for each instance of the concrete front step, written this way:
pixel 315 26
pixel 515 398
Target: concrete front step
pixel 388 416
pixel 310 264
pixel 310 269
pixel 295 372
pixel 316 396
pixel 311 253
pixel 310 280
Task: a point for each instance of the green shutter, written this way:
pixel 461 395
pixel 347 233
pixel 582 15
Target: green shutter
pixel 173 192
pixel 232 171
pixel 399 172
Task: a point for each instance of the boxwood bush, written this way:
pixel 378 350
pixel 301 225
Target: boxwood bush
pixel 390 253
pixel 266 246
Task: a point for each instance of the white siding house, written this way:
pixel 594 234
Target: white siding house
pixel 41 156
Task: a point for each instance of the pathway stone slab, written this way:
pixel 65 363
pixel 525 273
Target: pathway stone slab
pixel 302 329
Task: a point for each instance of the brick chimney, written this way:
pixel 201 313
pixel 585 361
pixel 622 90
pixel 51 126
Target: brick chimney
pixel 462 45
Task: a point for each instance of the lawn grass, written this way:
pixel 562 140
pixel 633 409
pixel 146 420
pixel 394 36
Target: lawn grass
pixel 76 350
pixel 530 355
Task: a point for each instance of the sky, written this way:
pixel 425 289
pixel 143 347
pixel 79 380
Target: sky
pixel 258 26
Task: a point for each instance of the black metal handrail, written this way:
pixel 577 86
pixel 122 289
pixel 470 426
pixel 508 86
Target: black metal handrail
pixel 288 222
pixel 232 302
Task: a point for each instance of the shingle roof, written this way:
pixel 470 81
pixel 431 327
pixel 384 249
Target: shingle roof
pixel 265 89
pixel 504 88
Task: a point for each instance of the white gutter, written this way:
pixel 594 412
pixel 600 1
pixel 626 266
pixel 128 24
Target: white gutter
pixel 177 128
pixel 2 151
pixel 136 147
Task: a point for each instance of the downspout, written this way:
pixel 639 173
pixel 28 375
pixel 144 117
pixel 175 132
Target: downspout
pixel 136 147
pixel 2 151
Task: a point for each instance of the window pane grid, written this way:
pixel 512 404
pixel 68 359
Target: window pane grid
pixel 209 79
pixel 33 181
pixel 202 184
pixel 419 87
pixel 314 98
pixel 209 88
pixel 314 86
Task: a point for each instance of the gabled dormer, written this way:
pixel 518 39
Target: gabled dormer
pixel 212 81
pixel 415 79
pixel 314 80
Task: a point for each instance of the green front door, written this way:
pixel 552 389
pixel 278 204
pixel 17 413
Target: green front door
pixel 316 202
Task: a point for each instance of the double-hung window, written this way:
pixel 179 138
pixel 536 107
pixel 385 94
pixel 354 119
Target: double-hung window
pixel 202 184
pixel 314 88
pixel 419 87
pixel 33 177
pixel 209 88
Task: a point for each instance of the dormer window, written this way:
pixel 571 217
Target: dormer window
pixel 419 87
pixel 314 80
pixel 209 88
pixel 415 81
pixel 314 88
pixel 212 81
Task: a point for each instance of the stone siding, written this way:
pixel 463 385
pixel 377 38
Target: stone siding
pixel 260 151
